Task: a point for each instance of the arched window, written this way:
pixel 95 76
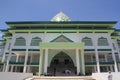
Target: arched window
pixel 35 41
pixel 87 41
pixel 20 41
pixel 102 41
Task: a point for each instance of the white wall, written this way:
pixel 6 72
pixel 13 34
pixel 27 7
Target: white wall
pixel 104 76
pixel 14 76
pixel 47 37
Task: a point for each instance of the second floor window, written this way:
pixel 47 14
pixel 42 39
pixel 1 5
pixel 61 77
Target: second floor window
pixel 20 41
pixel 102 41
pixel 87 41
pixel 35 41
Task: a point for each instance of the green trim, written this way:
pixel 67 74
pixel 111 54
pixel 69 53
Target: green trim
pixel 61 36
pixel 18 49
pixel 2 41
pixel 106 63
pixel 101 63
pixel 21 32
pixel 4 30
pixel 62 45
pixel 25 50
pixel 89 49
pixel 33 63
pixel 62 30
pixel 22 63
pixel 104 50
pixel 37 32
pixel 33 49
pixel 70 22
pixel 101 32
pixel 117 30
pixel 19 63
pixel 90 63
pixel 1 63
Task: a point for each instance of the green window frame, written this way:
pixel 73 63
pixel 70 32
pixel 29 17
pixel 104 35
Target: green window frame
pixel 87 41
pixel 102 41
pixel 20 41
pixel 35 41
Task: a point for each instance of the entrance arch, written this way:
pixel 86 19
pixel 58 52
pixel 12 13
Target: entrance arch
pixel 60 63
pixel 46 55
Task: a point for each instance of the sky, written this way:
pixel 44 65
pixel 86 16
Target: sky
pixel 44 10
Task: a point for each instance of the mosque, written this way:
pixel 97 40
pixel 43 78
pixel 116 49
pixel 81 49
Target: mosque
pixel 52 47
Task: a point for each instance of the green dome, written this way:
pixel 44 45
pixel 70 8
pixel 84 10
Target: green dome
pixel 60 17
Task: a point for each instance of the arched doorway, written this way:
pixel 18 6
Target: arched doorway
pixel 60 63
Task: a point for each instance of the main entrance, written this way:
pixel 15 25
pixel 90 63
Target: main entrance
pixel 58 58
pixel 62 65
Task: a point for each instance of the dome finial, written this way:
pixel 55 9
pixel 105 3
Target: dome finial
pixel 60 17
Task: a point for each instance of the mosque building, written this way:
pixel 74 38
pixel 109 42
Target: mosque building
pixel 51 47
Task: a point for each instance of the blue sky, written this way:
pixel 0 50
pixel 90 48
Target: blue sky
pixel 44 10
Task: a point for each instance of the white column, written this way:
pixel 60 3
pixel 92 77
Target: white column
pixel 17 58
pixel 31 58
pixel 4 67
pixel 46 61
pixel 5 49
pixel 113 55
pixel 8 58
pixel 25 63
pixel 26 53
pixel 115 63
pixel 15 68
pixel 119 67
pixel 77 61
pixel 28 69
pixel 107 68
pixel 95 40
pixel 111 68
pixel 118 50
pixel 41 62
pixel 9 43
pixel 11 68
pixel 3 52
pixel 106 58
pixel 95 68
pixel 91 58
pixel 7 67
pixel 97 60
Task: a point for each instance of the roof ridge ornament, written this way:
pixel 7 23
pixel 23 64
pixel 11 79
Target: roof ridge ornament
pixel 60 17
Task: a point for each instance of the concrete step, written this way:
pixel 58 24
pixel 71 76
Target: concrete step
pixel 61 78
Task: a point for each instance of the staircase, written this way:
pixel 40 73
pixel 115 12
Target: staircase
pixel 61 78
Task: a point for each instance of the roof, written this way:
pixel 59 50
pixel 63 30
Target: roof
pixel 60 17
pixel 65 23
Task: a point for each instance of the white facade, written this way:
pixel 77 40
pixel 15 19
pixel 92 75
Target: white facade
pixel 76 37
pixel 23 52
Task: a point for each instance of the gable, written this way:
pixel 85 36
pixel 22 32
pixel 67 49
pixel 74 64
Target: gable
pixel 61 38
